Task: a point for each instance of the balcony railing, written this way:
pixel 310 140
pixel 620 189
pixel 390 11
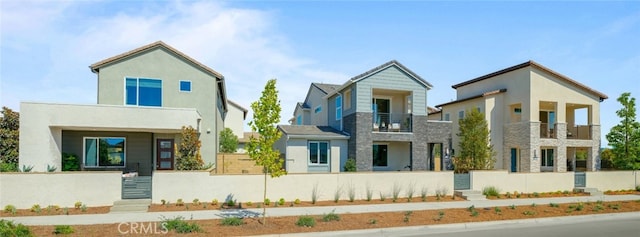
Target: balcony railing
pixel 392 122
pixel 579 132
pixel 547 130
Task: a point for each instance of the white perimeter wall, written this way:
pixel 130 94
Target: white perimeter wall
pixel 63 189
pixel 522 182
pixel 190 185
pixel 613 180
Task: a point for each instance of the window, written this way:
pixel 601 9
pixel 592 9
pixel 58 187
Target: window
pixel 447 117
pixel 318 153
pixel 461 115
pixel 547 157
pixel 347 99
pixel 318 109
pixel 379 155
pixel 104 152
pixel 143 92
pixel 338 107
pixel 299 120
pixel 517 110
pixel 185 86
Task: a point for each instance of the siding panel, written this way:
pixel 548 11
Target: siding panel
pixel 393 79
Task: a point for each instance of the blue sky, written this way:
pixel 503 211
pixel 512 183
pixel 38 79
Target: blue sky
pixel 47 46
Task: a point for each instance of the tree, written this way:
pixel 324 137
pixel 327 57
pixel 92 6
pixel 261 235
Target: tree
pixel 9 139
pixel 624 138
pixel 188 155
pixel 266 113
pixel 475 151
pixel 228 141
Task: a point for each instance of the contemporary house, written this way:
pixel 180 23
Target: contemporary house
pixel 145 96
pixel 539 119
pixel 382 112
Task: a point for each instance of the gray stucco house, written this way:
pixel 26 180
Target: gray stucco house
pixel 145 96
pixel 383 112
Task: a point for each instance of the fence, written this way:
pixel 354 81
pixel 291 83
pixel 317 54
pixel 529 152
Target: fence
pixel 236 163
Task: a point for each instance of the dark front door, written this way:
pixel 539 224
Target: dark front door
pixel 165 155
pixel 514 160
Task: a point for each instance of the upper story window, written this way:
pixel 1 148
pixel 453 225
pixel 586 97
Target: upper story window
pixel 143 91
pixel 185 86
pixel 347 99
pixel 461 115
pixel 299 120
pixel 338 107
pixel 318 109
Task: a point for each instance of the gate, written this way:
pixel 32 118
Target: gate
pixel 580 180
pixel 462 181
pixel 138 187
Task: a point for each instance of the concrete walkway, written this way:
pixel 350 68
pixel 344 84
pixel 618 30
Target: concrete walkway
pixel 108 218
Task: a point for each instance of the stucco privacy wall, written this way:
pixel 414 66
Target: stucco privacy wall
pixel 613 180
pixel 522 182
pixel 172 185
pixel 41 126
pixel 63 189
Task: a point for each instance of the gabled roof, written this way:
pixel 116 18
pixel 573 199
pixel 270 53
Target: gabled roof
pixel 325 88
pixel 312 131
pixel 158 44
pixel 538 66
pixel 378 69
pixel 488 93
pixel 244 111
pixel 432 110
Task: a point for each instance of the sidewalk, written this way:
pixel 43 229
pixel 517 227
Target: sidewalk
pixel 108 218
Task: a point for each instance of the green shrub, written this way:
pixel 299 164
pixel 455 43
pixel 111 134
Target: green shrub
pixel 214 202
pixel 369 192
pixel 8 167
pixel 350 165
pixel 63 229
pixel 297 201
pixel 474 213
pixel 373 221
pixel 10 209
pixel 638 188
pixel 83 208
pixel 332 216
pixel 554 205
pixel 306 221
pixel 249 203
pixel 70 162
pixel 407 216
pixel 314 194
pixel 78 204
pixel 51 168
pixel 179 202
pixel 536 194
pixel 180 225
pixel 497 210
pixel 36 208
pixel 512 207
pixel 490 191
pixel 395 192
pixel 231 221
pixel 196 202
pixel 8 228
pixel 529 213
pixel 423 193
pixel 267 201
pixel 281 202
pixel 26 169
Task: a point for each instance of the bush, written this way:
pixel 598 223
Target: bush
pixel 297 201
pixel 8 167
pixel 267 201
pixel 63 229
pixel 281 202
pixel 78 204
pixel 331 217
pixel 350 165
pixel 231 221
pixel 36 208
pixel 8 228
pixel 70 162
pixel 180 225
pixel 10 209
pixel 490 191
pixel 306 221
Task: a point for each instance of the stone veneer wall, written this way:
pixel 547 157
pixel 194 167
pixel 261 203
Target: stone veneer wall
pixel 518 135
pixel 359 127
pixel 437 132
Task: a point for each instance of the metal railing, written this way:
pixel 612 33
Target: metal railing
pixel 392 122
pixel 547 131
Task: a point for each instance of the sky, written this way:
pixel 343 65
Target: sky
pixel 47 46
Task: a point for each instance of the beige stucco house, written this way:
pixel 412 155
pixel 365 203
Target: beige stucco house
pixel 145 96
pixel 539 119
pixel 236 115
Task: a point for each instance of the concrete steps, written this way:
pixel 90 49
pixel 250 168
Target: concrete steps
pixel 470 195
pixel 590 191
pixel 131 205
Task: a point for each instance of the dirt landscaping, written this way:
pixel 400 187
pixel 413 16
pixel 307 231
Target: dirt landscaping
pixel 278 225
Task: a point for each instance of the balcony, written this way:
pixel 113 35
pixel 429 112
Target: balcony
pixel 582 132
pixel 392 122
pixel 547 131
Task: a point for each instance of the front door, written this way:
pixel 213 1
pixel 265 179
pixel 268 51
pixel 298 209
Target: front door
pixel 165 155
pixel 514 160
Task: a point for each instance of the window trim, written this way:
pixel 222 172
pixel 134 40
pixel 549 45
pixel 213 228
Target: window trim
pixel 318 164
pixel 84 152
pixel 180 86
pixel 138 91
pixel 338 108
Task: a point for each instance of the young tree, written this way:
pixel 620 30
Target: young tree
pixel 475 151
pixel 624 138
pixel 188 155
pixel 266 113
pixel 228 141
pixel 9 137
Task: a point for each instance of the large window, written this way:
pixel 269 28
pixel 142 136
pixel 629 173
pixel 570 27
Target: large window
pixel 547 157
pixel 143 92
pixel 338 107
pixel 379 155
pixel 318 153
pixel 104 152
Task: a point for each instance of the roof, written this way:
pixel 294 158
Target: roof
pixel 536 65
pixel 378 69
pixel 488 93
pixel 158 44
pixel 432 110
pixel 244 110
pixel 312 131
pixel 325 88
